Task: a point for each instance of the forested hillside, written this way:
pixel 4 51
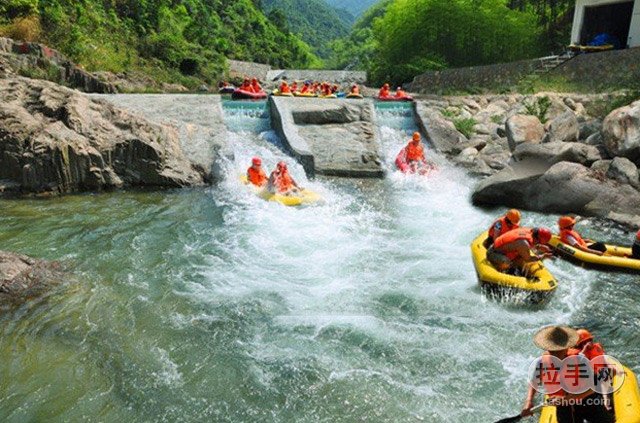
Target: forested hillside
pixel 396 40
pixel 355 7
pixel 182 37
pixel 314 21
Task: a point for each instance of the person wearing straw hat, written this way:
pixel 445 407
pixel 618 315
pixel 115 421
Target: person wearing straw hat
pixel 570 408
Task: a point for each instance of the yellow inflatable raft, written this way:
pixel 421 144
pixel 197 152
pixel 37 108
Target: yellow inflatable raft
pixel 299 94
pixel 615 257
pixel 626 402
pixel 304 197
pixel 277 93
pixel 536 288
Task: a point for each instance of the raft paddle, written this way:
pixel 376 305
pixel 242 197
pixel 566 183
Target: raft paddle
pixel 517 418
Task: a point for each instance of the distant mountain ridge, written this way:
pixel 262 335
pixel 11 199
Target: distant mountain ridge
pixel 355 7
pixel 315 21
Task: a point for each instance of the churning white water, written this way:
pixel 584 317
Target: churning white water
pixel 214 305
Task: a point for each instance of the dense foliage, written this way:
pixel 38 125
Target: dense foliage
pixel 192 36
pixel 313 20
pixel 403 38
pixel 355 7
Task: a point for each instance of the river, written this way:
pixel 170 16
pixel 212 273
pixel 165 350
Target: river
pixel 209 304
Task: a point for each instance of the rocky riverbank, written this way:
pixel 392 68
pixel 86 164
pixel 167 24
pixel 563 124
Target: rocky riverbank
pixel 548 152
pixel 55 140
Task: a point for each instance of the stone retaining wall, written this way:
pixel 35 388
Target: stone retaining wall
pixel 460 79
pixel 240 69
pixel 593 70
pixel 606 68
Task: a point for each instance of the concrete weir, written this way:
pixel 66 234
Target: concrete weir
pixel 329 137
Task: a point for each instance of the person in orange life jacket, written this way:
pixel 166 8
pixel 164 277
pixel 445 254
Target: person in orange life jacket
pixel 284 88
pixel 246 85
pixel 514 249
pixel 255 173
pixel 326 89
pixel 586 347
pixel 414 153
pixel 400 92
pixel 255 86
pixel 570 237
pixel 294 87
pixel 355 90
pixel 384 91
pixel 508 222
pixel 570 408
pixel 281 182
pixel 306 88
pixel 334 89
pixel 635 248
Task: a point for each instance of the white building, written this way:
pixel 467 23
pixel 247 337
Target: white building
pixel 620 18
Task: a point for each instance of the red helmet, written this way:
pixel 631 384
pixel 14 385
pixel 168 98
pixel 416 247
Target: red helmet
pixel 542 234
pixel 256 161
pixel 282 165
pixel 584 336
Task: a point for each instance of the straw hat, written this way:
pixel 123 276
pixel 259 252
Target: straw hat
pixel 556 338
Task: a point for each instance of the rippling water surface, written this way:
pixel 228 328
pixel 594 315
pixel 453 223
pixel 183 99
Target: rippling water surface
pixel 213 305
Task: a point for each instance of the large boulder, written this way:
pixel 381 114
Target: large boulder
pixel 624 171
pixel 555 152
pixel 23 277
pixel 59 140
pixel 563 188
pixel 621 130
pixel 523 129
pixel 442 133
pixel 563 128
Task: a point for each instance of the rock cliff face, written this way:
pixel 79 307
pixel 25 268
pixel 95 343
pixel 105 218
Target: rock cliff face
pixel 57 140
pixel 16 55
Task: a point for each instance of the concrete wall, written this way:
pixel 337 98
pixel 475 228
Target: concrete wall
pixel 578 18
pixel 282 122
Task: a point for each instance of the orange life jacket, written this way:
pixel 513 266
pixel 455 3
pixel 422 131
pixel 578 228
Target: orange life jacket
pixel 594 350
pixel 414 153
pixel 256 176
pixel 285 89
pixel 401 93
pixel 284 182
pixel 564 237
pixel 550 376
pixel 384 92
pixel 512 236
pixel 503 227
pixel 294 87
pixel 256 88
pixel 305 89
